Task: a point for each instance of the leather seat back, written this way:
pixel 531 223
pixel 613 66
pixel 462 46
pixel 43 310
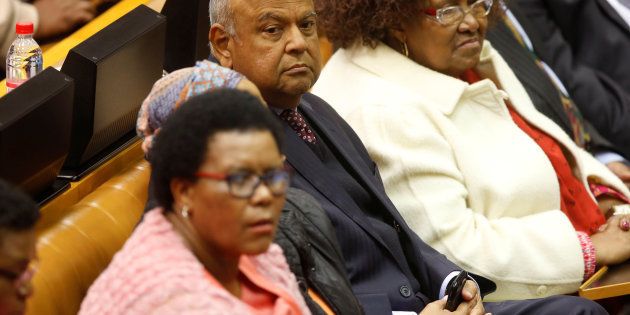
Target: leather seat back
pixel 74 252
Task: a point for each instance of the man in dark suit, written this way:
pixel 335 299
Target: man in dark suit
pixel 274 43
pixel 516 39
pixel 594 29
pixel 587 44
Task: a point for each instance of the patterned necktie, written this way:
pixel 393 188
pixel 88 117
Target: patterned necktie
pixel 297 122
pixel 580 136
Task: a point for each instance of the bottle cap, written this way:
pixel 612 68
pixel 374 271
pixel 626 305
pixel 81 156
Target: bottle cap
pixel 24 28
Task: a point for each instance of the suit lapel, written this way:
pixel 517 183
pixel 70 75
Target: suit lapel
pixel 330 130
pixel 534 79
pixel 613 14
pixel 333 135
pixel 309 166
pixel 338 139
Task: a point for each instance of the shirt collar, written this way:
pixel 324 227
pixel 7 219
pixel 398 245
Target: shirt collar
pixel 442 90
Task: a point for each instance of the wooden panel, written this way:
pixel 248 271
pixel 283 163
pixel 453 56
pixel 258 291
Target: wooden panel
pixel 607 282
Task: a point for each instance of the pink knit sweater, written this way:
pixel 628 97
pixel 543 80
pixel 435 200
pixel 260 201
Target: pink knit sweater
pixel 155 273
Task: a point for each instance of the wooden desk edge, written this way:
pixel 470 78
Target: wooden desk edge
pixel 602 292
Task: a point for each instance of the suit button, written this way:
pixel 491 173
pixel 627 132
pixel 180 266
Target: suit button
pixel 397 226
pixel 405 291
pixel 542 290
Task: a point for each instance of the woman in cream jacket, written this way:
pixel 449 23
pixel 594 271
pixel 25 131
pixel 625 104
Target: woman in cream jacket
pixel 466 178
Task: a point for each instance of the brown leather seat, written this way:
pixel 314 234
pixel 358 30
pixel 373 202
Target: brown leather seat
pixel 75 251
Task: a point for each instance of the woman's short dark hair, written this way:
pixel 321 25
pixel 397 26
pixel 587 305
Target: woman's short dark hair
pixel 18 212
pixel 181 145
pixel 345 21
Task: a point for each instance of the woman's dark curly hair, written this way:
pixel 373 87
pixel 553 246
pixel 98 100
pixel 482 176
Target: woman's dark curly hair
pixel 181 145
pixel 345 21
pixel 18 212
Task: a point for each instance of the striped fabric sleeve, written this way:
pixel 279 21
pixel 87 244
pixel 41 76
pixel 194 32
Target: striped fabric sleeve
pixel 588 253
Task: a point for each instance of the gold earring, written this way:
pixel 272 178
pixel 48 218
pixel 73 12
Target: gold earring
pixel 185 212
pixel 405 49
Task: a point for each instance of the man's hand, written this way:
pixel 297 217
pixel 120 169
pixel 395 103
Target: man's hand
pixel 435 307
pixel 622 170
pixel 471 305
pixel 59 16
pixel 472 300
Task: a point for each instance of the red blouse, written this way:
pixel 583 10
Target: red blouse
pixel 261 295
pixel 575 200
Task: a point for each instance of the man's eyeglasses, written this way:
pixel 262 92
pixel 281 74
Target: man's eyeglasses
pixel 243 184
pixel 455 14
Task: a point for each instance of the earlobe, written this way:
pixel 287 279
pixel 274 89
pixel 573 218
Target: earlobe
pixel 220 41
pixel 182 191
pixel 397 39
pixel 397 34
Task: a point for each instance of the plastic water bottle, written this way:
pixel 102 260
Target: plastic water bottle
pixel 24 59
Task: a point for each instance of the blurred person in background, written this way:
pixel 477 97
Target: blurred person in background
pixel 565 100
pixel 592 35
pixel 49 17
pixel 18 215
pixel 587 44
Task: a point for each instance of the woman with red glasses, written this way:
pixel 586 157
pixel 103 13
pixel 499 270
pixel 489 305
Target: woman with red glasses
pixel 220 184
pixel 18 216
pixel 474 169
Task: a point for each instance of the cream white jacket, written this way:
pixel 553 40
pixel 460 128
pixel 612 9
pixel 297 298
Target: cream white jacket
pixel 462 174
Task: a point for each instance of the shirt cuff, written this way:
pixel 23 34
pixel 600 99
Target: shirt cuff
pixel 599 190
pixel 608 157
pixel 449 278
pixel 588 253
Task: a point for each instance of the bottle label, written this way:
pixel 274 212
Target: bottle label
pixel 12 85
pixel 24 61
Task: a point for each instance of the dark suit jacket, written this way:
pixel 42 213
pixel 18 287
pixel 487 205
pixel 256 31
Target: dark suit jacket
pixel 587 44
pixel 541 90
pixel 374 272
pixel 597 35
pixel 537 83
